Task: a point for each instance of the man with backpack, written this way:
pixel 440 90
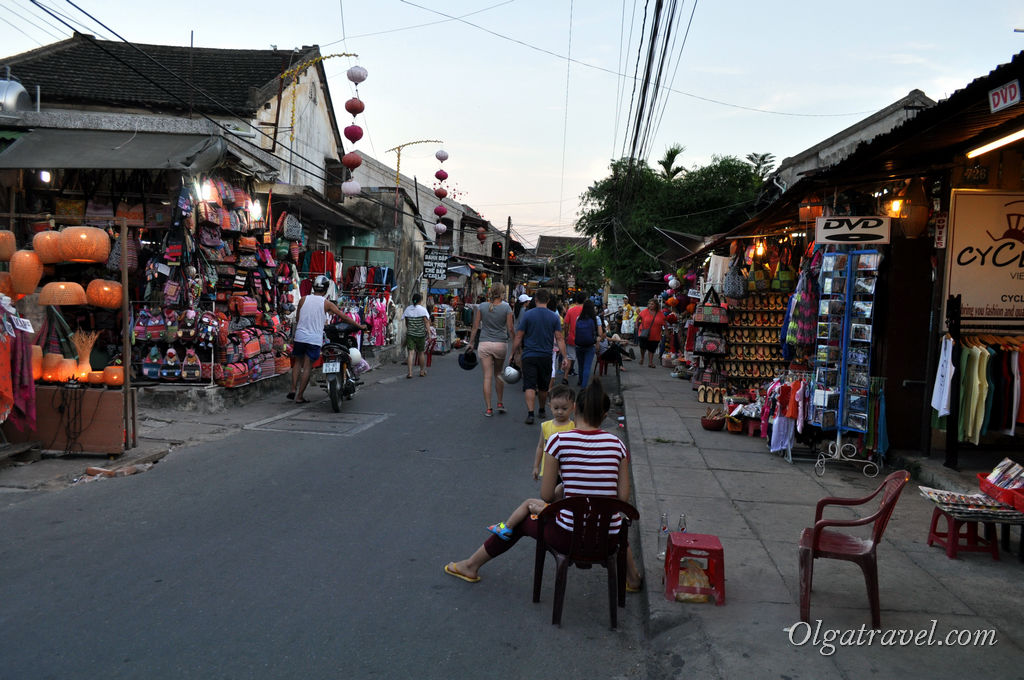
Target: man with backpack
pixel 588 331
pixel 539 329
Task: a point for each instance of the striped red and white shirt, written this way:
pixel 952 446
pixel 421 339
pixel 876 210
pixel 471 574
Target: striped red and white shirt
pixel 588 461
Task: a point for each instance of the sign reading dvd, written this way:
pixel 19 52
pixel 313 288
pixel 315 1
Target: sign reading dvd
pixel 846 230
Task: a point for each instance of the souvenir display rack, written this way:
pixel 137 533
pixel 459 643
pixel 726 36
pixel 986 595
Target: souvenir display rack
pixel 753 340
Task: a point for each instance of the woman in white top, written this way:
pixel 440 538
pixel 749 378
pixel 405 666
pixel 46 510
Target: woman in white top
pixel 492 324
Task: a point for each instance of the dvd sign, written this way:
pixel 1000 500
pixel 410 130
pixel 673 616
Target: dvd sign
pixel 852 230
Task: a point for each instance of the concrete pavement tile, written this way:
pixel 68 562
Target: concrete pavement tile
pixel 674 455
pixel 676 481
pixel 750 574
pixel 934 662
pixel 760 486
pixel 908 526
pixel 749 461
pixel 662 423
pixel 717 516
pixel 772 521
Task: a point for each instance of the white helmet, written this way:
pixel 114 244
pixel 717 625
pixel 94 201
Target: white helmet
pixel 322 283
pixel 510 375
pixel 355 355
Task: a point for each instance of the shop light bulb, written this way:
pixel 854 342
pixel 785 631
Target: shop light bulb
pixel 207 193
pixel 895 207
pixel 760 248
pixel 257 210
pixel 991 146
pixel 44 176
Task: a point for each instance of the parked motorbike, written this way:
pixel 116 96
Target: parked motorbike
pixel 336 370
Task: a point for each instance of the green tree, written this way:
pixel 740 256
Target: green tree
pixel 669 169
pixel 763 164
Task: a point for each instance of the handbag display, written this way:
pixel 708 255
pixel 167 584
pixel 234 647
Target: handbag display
pixel 734 285
pixel 247 244
pixel 709 342
pixel 711 310
pixel 758 280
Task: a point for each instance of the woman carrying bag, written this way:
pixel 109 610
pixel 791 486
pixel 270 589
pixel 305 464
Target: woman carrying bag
pixel 492 327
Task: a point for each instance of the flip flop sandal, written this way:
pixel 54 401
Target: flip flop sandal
pixel 302 401
pixel 290 396
pixel 501 531
pixel 452 571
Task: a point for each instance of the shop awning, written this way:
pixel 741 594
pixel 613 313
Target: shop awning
pixel 46 148
pixel 463 269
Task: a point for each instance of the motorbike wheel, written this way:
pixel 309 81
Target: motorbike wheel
pixel 335 393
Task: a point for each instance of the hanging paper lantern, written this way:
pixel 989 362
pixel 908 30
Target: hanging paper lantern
pixel 672 302
pixel 673 283
pixel 352 160
pixel 58 293
pixel 481 234
pixel 67 370
pixel 7 245
pixel 440 228
pixel 353 133
pixel 350 188
pixel 357 74
pixel 106 294
pixel 440 211
pixel 84 244
pixel 47 246
pixel 37 362
pixel 441 155
pixel 26 270
pixel 113 376
pixel 691 308
pixel 355 106
pixel 440 192
pixel 441 175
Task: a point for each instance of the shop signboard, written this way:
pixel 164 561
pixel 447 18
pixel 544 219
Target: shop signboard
pixel 435 262
pixel 862 231
pixel 1004 96
pixel 985 257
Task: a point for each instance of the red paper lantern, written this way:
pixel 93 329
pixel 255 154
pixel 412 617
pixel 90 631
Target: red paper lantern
pixel 47 246
pixel 440 211
pixel 352 160
pixel 354 106
pixel 441 175
pixel 440 192
pixel 353 133
pixel 481 234
pixel 26 270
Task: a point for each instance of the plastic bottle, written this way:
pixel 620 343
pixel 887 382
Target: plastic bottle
pixel 663 536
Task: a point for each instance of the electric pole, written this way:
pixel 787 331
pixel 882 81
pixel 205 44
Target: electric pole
pixel 508 244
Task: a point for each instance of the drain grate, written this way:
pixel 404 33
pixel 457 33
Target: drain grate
pixel 332 424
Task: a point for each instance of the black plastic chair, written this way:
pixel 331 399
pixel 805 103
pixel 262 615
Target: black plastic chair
pixel 591 544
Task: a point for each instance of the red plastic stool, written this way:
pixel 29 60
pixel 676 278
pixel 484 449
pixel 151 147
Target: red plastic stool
pixel 702 547
pixel 753 427
pixel 961 535
pixel 602 367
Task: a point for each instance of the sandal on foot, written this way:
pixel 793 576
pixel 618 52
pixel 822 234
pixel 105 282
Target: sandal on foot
pixel 290 396
pixel 635 589
pixel 501 531
pixel 452 570
pixel 423 374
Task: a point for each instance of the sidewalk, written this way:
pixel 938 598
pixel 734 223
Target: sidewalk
pixel 757 504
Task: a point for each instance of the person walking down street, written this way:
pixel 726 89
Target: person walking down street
pixel 492 325
pixel 589 332
pixel 590 462
pixel 538 330
pixel 569 327
pixel 310 318
pixel 648 331
pixel 417 328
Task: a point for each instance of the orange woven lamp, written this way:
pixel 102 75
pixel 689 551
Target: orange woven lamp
pixel 113 376
pixel 26 270
pixel 102 293
pixel 51 366
pixel 67 370
pixel 37 362
pixel 47 247
pixel 7 245
pixel 60 293
pixel 84 244
pixel 7 286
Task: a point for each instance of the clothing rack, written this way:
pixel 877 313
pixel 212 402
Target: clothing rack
pixel 956 332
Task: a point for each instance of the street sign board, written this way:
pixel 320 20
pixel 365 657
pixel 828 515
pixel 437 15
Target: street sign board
pixel 435 262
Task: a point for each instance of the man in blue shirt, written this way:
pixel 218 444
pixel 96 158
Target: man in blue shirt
pixel 537 332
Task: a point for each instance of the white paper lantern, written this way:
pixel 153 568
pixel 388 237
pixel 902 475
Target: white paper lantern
pixel 441 155
pixel 673 283
pixel 439 228
pixel 357 74
pixel 350 188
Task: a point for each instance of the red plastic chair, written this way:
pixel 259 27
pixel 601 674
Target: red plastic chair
pixel 821 542
pixel 591 544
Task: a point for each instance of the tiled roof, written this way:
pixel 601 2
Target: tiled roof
pixel 85 70
pixel 548 245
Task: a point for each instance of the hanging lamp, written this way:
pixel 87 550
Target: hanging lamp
pixel 105 294
pixel 26 270
pixel 60 293
pixel 84 244
pixel 46 244
pixel 8 245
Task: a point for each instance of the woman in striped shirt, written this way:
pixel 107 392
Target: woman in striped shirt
pixel 590 462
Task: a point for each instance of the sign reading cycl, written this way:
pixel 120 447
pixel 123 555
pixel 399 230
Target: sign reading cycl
pixel 846 230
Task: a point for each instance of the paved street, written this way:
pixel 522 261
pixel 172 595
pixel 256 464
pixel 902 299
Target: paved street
pixel 285 542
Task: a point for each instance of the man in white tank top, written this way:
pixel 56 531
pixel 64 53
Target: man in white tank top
pixel 310 319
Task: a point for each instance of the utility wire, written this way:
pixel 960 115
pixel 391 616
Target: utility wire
pixel 22 31
pixel 29 8
pixel 431 23
pixel 34 24
pixel 679 60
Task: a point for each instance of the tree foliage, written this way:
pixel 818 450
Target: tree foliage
pixel 763 164
pixel 622 210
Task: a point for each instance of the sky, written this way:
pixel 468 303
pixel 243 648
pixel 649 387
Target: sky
pixel 531 98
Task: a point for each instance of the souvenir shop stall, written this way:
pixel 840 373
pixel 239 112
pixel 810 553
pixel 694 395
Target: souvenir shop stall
pixel 63 344
pixel 366 291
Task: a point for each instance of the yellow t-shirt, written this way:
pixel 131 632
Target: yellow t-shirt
pixel 548 428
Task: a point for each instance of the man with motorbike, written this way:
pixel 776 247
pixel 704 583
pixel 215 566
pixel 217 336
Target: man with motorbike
pixel 308 334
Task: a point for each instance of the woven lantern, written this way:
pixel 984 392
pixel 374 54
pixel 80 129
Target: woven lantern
pixel 60 293
pixel 7 245
pixel 37 362
pixel 102 293
pixel 7 287
pixel 113 376
pixel 47 247
pixel 26 270
pixel 84 244
pixel 67 370
pixel 95 378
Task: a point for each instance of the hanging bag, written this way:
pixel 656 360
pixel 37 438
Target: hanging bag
pixel 711 310
pixel 734 285
pixel 709 342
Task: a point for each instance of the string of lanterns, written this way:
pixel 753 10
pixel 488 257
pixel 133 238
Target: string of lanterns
pixel 440 192
pixel 353 133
